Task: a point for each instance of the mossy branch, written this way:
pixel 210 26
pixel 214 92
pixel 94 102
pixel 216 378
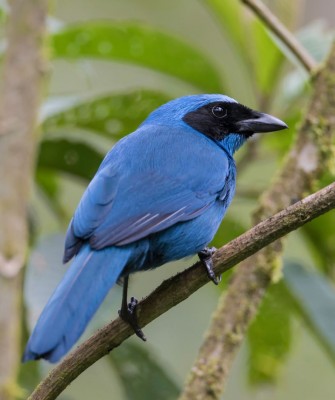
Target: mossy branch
pixel 178 288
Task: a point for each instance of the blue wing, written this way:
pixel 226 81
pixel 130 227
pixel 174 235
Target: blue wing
pixel 149 211
pixel 145 185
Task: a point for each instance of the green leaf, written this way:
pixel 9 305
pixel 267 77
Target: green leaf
pixel 137 44
pixel 320 235
pixel 73 157
pixel 315 296
pixel 269 337
pixel 143 377
pixel 113 115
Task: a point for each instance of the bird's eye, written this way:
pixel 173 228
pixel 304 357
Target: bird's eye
pixel 219 112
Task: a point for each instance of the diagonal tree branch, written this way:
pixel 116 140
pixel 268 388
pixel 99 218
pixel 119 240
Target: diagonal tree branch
pixel 310 156
pixel 180 287
pixel 279 29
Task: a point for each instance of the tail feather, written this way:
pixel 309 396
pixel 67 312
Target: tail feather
pixel 74 302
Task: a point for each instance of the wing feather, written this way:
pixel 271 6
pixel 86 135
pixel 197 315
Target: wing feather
pixel 181 204
pixel 141 190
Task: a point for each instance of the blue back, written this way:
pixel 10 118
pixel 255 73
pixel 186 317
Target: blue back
pixel 163 173
pixel 171 177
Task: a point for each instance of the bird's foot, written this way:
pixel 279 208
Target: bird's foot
pixel 205 257
pixel 128 314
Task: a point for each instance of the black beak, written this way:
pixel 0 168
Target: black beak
pixel 260 122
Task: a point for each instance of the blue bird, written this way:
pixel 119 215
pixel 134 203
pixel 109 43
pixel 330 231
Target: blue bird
pixel 159 195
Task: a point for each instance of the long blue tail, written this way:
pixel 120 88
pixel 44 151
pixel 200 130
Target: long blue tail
pixel 76 299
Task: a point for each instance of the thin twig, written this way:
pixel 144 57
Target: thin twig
pixel 176 289
pixel 279 29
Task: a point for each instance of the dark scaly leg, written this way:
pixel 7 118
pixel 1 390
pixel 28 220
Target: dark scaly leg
pixel 128 310
pixel 205 256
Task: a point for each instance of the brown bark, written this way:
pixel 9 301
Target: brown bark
pixel 19 100
pixel 180 287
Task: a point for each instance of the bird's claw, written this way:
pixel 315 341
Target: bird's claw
pixel 205 257
pixel 129 315
pixel 132 305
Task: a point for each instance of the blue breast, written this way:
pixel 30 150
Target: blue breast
pixel 189 237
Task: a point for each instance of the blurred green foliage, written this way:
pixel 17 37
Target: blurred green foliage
pixel 269 336
pixel 78 130
pixel 142 376
pixel 315 297
pixel 137 44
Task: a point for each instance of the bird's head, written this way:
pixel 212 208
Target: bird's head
pixel 219 117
